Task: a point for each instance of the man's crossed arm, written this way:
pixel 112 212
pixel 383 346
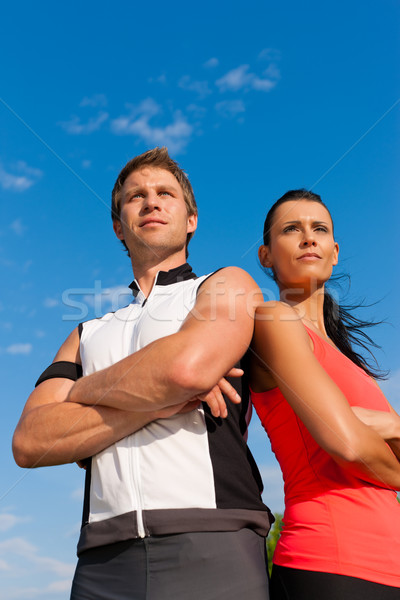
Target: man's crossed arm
pixel 65 422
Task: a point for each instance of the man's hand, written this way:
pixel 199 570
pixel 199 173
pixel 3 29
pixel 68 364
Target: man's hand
pixel 214 398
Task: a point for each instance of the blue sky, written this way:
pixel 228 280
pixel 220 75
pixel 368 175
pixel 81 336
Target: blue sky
pixel 252 99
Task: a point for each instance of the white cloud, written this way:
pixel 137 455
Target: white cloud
pixel 262 85
pixel 230 108
pixel 8 520
pixel 272 71
pixel 86 164
pixel 199 87
pixel 160 79
pixel 94 101
pixel 175 135
pixel 271 54
pixel 27 264
pixel 17 183
pixel 22 179
pixel 29 553
pixel 19 349
pixel 59 586
pixel 56 589
pixel 75 127
pixel 4 566
pixel 40 333
pixel 196 110
pixel 17 227
pixel 50 302
pixel 235 79
pixel 211 63
pixel 240 78
pixel 22 166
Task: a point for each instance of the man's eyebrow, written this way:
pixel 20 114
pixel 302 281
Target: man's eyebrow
pixel 167 186
pixel 132 188
pixel 158 186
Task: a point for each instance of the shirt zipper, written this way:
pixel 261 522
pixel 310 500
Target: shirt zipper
pixel 135 468
pixel 139 498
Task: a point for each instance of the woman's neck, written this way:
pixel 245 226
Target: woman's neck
pixel 308 305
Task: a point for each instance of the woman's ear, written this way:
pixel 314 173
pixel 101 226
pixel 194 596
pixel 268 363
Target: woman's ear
pixel 264 256
pixel 335 254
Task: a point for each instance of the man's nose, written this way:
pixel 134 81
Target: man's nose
pixel 151 201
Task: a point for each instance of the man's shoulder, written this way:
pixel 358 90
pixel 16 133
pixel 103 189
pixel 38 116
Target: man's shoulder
pixel 230 277
pixel 119 314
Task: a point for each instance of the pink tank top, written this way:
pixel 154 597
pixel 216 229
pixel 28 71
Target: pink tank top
pixel 333 521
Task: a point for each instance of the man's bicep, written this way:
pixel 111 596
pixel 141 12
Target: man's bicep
pixel 222 319
pixel 69 351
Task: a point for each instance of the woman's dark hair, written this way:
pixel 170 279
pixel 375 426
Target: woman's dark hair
pixel 342 327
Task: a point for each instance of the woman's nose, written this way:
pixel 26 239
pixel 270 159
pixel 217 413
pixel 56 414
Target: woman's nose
pixel 308 240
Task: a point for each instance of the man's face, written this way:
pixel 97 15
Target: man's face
pixel 154 217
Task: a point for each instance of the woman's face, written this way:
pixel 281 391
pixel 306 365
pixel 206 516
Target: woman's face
pixel 302 250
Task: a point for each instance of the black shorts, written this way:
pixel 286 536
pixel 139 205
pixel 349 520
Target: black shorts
pixel 296 584
pixel 189 566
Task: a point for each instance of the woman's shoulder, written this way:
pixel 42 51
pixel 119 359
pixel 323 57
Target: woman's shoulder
pixel 277 319
pixel 277 311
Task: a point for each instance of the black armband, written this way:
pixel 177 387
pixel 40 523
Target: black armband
pixel 62 368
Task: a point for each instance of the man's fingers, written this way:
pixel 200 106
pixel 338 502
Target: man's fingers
pixel 234 372
pixel 216 402
pixel 229 391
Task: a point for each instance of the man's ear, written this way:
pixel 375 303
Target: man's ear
pixel 264 256
pixel 118 230
pixel 191 223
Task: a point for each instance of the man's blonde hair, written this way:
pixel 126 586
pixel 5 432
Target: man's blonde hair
pixel 157 158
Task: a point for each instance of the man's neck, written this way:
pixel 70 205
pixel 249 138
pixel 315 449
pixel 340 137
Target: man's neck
pixel 146 275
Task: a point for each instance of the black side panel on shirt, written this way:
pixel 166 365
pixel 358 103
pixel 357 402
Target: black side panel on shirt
pixel 238 482
pixel 63 369
pixel 86 500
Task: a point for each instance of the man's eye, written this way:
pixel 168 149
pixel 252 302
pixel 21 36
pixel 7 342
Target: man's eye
pixel 165 193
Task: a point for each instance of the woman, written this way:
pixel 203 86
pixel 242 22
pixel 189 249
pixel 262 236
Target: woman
pixel 341 534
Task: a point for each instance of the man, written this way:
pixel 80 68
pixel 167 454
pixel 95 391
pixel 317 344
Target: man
pixel 172 499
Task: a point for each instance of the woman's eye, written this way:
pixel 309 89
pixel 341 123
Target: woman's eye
pixel 289 228
pixel 324 229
